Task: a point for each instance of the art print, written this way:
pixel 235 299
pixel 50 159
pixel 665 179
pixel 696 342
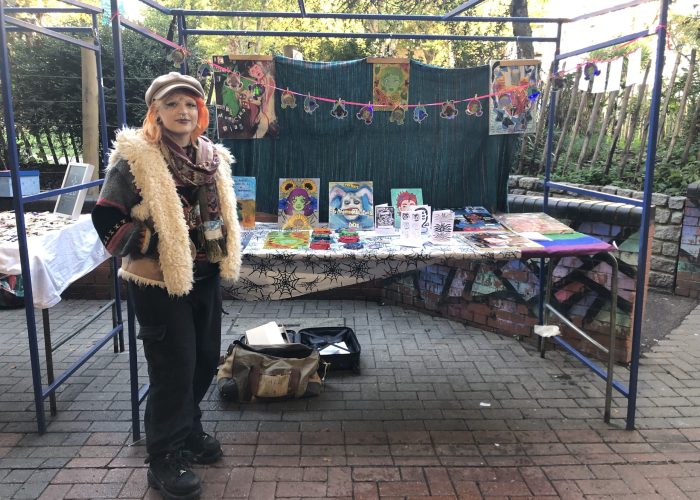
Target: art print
pixel 351 205
pixel 424 211
pixel 405 198
pixel 245 97
pixel 287 240
pixel 297 207
pixel 441 226
pixel 537 222
pixel 244 187
pixel 384 220
pixel 512 107
pixel 390 86
pixel 409 231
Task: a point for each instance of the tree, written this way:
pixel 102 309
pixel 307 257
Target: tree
pixel 518 8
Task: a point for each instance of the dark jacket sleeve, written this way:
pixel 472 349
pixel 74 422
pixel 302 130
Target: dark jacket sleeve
pixel 120 234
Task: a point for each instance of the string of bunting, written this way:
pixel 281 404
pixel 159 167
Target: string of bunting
pixel 448 108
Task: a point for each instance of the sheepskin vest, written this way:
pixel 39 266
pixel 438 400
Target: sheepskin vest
pixel 174 268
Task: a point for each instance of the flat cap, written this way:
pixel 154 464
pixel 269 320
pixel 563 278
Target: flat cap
pixel 173 80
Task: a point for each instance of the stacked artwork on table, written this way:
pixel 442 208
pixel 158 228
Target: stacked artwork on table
pixel 297 207
pixel 538 222
pixel 244 187
pixel 476 219
pixel 351 205
pixel 512 96
pixel 245 97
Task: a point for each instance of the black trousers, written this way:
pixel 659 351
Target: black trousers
pixel 182 342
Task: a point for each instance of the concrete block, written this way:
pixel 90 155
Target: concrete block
pixel 659 199
pixel 669 250
pixel 667 233
pixel 676 202
pixel 663 215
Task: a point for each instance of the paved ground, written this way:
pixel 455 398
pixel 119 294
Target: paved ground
pixel 440 410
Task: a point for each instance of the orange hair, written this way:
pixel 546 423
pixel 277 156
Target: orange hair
pixel 153 131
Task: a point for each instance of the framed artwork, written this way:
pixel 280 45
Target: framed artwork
pixel 511 111
pixel 244 187
pixel 404 198
pixel 72 203
pixel 297 207
pixel 351 205
pixel 245 97
pixel 389 83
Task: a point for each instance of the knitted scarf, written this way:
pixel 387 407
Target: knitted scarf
pixel 200 173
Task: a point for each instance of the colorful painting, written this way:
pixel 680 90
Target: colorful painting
pixel 514 90
pixel 244 187
pixel 297 207
pixel 245 98
pixel 287 240
pixel 390 85
pixel 537 222
pixel 403 198
pixel 476 219
pixel 351 204
pixel 500 241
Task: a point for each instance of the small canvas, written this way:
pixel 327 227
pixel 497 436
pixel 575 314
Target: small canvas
pixel 244 187
pixel 441 226
pixel 72 203
pixel 351 205
pixel 287 240
pixel 403 198
pixel 384 220
pixel 297 207
pixel 409 232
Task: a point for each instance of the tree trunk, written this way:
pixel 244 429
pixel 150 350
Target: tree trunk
pixel 618 127
pixel 569 112
pixel 62 142
pixel 47 131
pixel 643 135
pixel 681 107
pixel 544 100
pixel 667 97
pixel 633 123
pixel 589 129
pixel 518 8
pixel 609 113
pixel 25 142
pixel 692 132
pixel 76 156
pixel 574 130
pixel 40 146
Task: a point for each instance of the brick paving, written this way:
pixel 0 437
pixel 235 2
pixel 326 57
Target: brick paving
pixel 439 410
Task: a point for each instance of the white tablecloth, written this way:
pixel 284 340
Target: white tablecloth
pixel 57 258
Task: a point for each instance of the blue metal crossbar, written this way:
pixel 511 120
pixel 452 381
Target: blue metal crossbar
pixel 56 192
pixel 608 10
pixel 302 8
pixel 53 34
pixel 461 8
pixel 602 45
pixel 595 194
pixel 58 29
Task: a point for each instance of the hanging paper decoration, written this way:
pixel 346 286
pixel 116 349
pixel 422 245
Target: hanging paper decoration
pixel 511 111
pixel 397 115
pixel 245 97
pixel 390 84
pixel 449 110
pixel 288 100
pixel 419 114
pixel 310 104
pixel 590 70
pixel 366 113
pixel 177 56
pixel 533 92
pixel 203 71
pixel 474 107
pixel 559 80
pixel 339 110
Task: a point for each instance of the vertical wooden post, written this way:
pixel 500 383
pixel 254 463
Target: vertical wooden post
pixel 91 113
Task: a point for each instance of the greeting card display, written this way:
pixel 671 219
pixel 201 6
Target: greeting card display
pixel 384 219
pixel 403 199
pixel 351 205
pixel 424 211
pixel 244 187
pixel 441 226
pixel 409 232
pixel 297 207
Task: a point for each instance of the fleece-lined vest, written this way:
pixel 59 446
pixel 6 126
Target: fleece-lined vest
pixel 173 271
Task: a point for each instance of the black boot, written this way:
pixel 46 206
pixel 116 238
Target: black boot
pixel 201 448
pixel 172 476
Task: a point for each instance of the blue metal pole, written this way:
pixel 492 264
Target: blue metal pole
pixel 548 160
pixel 646 211
pixel 18 205
pixel 118 65
pixel 182 40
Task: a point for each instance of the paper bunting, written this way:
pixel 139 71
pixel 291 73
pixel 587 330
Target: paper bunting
pixel 177 56
pixel 397 115
pixel 419 114
pixel 448 110
pixel 366 114
pixel 310 104
pixel 590 71
pixel 474 107
pixel 204 71
pixel 339 110
pixel 288 100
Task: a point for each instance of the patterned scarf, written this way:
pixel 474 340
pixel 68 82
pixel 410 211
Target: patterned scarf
pixel 200 173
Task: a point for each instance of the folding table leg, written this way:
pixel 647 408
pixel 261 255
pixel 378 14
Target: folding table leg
pixel 49 357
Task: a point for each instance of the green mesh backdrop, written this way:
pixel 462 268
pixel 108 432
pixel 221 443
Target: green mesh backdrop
pixel 455 162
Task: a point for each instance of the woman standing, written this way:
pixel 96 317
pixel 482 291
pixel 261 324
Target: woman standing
pixel 168 208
